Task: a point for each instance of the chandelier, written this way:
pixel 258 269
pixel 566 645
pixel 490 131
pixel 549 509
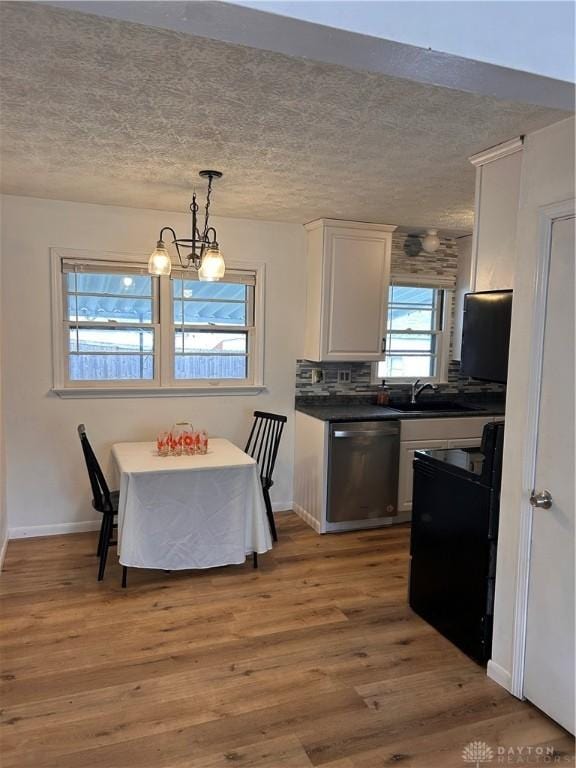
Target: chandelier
pixel 203 250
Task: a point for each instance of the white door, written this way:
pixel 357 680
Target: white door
pixel 549 660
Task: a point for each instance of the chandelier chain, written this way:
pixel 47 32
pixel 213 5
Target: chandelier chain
pixel 207 209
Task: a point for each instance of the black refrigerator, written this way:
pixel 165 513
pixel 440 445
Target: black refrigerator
pixel 453 542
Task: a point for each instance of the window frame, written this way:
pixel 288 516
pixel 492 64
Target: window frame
pixel 69 325
pixel 251 346
pixel 164 382
pixel 442 335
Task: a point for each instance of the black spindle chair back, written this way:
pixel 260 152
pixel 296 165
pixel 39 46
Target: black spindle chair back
pixel 103 500
pixel 263 443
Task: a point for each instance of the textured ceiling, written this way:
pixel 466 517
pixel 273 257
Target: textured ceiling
pixel 103 111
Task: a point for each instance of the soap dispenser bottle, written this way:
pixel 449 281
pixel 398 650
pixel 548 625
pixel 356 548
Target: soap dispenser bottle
pixel 383 395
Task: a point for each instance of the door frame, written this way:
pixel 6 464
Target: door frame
pixel 547 216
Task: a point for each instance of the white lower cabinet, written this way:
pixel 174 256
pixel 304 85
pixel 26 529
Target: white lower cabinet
pixel 407 450
pixel 311 448
pixel 429 434
pixel 463 442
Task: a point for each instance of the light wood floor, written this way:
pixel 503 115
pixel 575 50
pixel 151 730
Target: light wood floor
pixel 313 660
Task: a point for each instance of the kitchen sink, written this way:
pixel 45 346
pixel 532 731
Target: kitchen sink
pixel 432 406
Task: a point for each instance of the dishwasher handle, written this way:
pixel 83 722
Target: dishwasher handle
pixel 383 432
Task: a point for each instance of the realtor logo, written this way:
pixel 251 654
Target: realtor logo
pixel 477 753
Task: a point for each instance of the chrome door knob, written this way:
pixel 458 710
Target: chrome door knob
pixel 541 500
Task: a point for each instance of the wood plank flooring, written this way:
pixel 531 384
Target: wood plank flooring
pixel 315 659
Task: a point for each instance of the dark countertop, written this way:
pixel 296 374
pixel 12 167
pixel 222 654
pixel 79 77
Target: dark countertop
pixel 355 411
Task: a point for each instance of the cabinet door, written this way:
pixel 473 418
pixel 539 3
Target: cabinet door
pixel 464 442
pixel 407 450
pixel 444 429
pixel 357 276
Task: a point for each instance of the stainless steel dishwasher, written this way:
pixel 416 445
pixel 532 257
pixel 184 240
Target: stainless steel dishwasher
pixel 363 463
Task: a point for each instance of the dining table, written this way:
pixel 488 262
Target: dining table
pixel 188 512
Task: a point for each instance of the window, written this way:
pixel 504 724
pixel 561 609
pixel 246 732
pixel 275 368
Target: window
pixel 111 322
pixel 117 327
pixel 415 339
pixel 213 328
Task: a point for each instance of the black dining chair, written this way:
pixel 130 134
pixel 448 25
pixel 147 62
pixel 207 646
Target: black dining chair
pixel 262 445
pixel 103 500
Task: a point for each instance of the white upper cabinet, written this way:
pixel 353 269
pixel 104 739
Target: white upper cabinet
pixel 486 262
pixel 347 295
pixel 496 209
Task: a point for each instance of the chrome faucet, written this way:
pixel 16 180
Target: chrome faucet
pixel 416 390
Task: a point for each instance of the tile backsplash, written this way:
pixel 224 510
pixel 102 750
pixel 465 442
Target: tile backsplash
pixel 443 263
pixel 361 383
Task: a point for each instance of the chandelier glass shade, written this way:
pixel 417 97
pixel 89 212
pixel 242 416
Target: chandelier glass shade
pixel 213 266
pixel 160 262
pixel 200 252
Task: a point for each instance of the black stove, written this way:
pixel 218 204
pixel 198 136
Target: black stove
pixel 453 544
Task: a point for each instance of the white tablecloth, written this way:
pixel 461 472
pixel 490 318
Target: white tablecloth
pixel 179 512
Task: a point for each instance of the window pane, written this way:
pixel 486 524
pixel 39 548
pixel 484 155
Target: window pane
pixel 411 320
pixel 105 308
pixel 408 366
pixel 120 285
pixel 211 341
pixel 404 294
pixel 411 342
pixel 110 367
pixel 211 367
pixel 210 312
pixel 111 340
pixel 195 289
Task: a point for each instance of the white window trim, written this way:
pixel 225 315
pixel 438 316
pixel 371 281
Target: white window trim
pixel 252 345
pixel 164 384
pixel 441 284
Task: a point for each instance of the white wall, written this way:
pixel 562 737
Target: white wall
pixel 547 177
pixel 463 287
pixel 3 513
pixel 494 32
pixel 46 480
pixel 410 40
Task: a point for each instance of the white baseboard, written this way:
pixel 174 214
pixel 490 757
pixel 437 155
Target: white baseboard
pixel 282 506
pixel 499 675
pixel 3 551
pixel 55 529
pixel 307 517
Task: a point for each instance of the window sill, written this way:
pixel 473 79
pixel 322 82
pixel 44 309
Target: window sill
pixel 406 382
pixel 403 382
pixel 78 393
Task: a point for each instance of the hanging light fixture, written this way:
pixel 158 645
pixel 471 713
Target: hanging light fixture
pixel 204 254
pixel 431 242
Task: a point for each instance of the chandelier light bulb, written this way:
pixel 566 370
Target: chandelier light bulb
pixel 213 266
pixel 431 242
pixel 160 262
